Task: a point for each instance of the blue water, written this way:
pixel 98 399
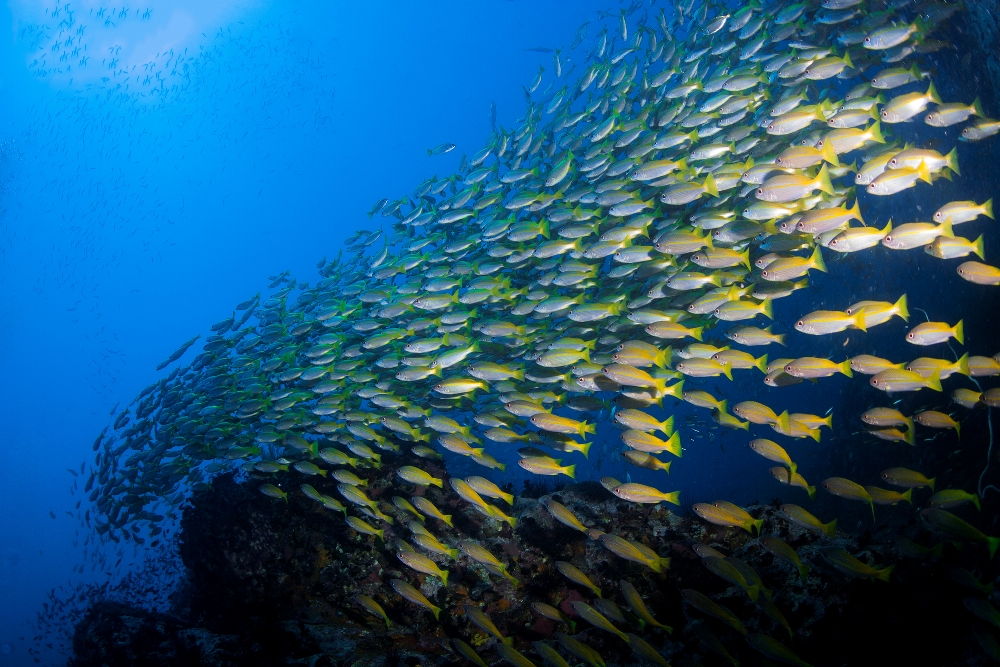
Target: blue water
pixel 183 153
pixel 137 213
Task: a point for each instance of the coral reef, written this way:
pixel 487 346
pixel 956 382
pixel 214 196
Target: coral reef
pixel 271 584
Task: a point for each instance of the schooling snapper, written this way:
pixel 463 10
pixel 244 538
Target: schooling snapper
pixel 709 160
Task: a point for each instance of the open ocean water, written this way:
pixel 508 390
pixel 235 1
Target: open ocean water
pixel 383 333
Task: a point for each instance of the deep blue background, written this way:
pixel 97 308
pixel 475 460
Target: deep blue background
pixel 137 220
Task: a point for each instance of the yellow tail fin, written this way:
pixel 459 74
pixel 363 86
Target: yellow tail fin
pixel 901 309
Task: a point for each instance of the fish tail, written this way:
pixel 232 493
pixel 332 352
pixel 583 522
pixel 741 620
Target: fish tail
pixel 823 182
pixel 856 211
pixel 831 528
pixel 745 259
pixel 901 308
pixel 324 473
pixel 910 434
pixel 937 551
pixel 758 524
pixel 674 444
pixel 754 592
pixel 727 370
pixel 817 260
pixel 830 155
pixel 845 367
pixel 674 498
pixel 883 574
pixel 924 172
pixel 447 519
pixel 509 498
pixel 767 309
pixel 381 534
pixel 959 332
pixel 958 430
pixel 710 186
pixel 934 382
pixel 436 611
pixel 814 434
pixel 437 482
pixel 951 161
pixel 811 490
pixel 976 108
pixel 975 501
pixel 931 481
pixel 761 364
pixel 988 209
pixel 696 333
pixel 859 320
pixel 584 449
pixel 946 228
pixel 876 132
pixel 570 471
pixel 792 468
pixel 667 425
pixel 978 247
pixel 908 496
pixel 444 577
pixel 963 365
pixel 676 390
pixel 932 93
pixel 502 466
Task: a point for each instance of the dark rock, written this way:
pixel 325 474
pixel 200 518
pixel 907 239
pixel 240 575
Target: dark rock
pixel 271 583
pixel 115 635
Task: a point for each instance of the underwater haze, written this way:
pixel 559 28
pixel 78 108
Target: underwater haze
pixel 136 213
pixel 499 333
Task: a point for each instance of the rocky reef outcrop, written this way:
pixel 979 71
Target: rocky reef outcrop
pixel 271 583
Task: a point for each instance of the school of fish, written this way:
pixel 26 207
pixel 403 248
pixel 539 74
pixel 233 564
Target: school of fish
pixel 703 165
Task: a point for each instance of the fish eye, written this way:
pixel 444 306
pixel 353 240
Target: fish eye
pixel 909 336
pixel 800 323
pixel 885 114
pixel 760 191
